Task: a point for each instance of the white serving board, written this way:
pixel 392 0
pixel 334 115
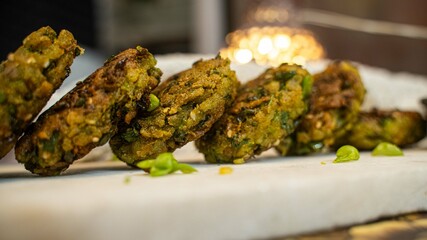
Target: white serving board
pixel 268 198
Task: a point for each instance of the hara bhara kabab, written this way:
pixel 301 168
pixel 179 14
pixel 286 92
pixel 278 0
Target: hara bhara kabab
pixel 29 77
pixel 265 111
pixel 190 102
pixel 87 116
pixel 335 102
pixel 401 128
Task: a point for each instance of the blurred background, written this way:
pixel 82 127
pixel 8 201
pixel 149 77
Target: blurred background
pixel 386 33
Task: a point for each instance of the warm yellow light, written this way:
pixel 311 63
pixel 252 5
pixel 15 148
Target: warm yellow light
pixel 265 45
pixel 243 56
pixel 282 41
pixel 299 60
pixel 272 55
pixel 272 45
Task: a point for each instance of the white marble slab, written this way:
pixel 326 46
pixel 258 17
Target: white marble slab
pixel 268 198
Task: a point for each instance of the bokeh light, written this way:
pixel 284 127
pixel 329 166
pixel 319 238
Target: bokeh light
pixel 272 46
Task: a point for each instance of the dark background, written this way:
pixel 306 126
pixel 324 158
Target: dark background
pixel 153 22
pixel 18 18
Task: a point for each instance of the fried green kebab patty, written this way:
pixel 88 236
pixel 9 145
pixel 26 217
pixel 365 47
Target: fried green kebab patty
pixel 335 102
pixel 401 128
pixel 87 116
pixel 190 102
pixel 29 77
pixel 266 110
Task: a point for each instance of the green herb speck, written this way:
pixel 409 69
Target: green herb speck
pixel 127 179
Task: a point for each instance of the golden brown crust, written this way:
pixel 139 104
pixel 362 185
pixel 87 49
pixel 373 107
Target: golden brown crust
pixel 266 110
pixel 190 102
pixel 335 102
pixel 87 116
pixel 401 128
pixel 29 77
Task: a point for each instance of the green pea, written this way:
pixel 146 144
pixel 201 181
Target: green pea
pixel 146 164
pixel 346 153
pixel 165 163
pixel 154 102
pixel 386 149
pixel 185 168
pixel 157 172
